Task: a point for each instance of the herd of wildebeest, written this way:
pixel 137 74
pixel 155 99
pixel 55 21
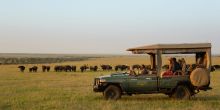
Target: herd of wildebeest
pixel 73 68
pixel 83 68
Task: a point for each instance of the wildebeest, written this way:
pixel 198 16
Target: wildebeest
pixel 216 67
pixel 22 68
pixel 45 68
pixel 74 68
pixel 213 68
pixel 58 68
pixel 66 68
pixel 93 68
pixel 106 67
pixel 33 69
pixel 84 68
pixel 121 67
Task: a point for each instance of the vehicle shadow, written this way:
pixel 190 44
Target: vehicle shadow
pixel 162 98
pixel 206 98
pixel 137 97
pixel 145 97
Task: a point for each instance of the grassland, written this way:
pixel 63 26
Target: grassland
pixel 73 91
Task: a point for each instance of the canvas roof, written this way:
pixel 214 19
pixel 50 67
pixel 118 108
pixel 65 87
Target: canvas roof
pixel 172 46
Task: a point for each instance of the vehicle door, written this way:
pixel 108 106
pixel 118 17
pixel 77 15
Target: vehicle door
pixel 142 83
pixel 171 82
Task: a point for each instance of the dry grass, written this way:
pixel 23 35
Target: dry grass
pixel 74 90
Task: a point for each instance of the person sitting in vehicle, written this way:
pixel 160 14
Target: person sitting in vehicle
pixel 169 71
pixel 182 63
pixel 175 66
pixel 131 71
pixel 144 70
pixel 170 64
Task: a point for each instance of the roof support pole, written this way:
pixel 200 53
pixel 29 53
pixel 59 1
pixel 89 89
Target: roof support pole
pixel 159 62
pixel 153 61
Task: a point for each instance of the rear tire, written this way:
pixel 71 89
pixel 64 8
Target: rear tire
pixel 112 93
pixel 182 93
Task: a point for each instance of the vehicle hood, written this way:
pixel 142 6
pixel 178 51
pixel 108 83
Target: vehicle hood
pixel 115 75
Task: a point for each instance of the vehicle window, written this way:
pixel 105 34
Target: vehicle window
pixel 176 64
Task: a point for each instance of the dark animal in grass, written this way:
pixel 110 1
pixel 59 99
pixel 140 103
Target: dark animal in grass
pixel 93 68
pixel 84 68
pixel 45 68
pixel 48 68
pixel 33 69
pixel 106 67
pixel 21 68
pixel 121 67
pixel 73 68
pixel 213 68
pixel 56 68
pixel 216 67
pixel 67 68
pixel 59 68
pixel 138 67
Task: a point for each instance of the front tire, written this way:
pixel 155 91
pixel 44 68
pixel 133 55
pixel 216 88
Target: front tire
pixel 112 93
pixel 182 93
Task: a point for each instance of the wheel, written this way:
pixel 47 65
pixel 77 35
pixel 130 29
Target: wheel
pixel 181 92
pixel 112 93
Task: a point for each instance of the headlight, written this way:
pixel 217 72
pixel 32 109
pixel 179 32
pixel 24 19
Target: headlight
pixel 102 80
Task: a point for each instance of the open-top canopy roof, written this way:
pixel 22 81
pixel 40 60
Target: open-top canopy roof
pixel 185 47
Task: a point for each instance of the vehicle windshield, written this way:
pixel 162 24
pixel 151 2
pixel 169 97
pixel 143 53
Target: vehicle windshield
pixel 147 67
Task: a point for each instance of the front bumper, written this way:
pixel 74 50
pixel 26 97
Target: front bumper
pixel 98 87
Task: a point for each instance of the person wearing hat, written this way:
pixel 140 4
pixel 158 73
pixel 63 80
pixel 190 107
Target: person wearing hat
pixel 175 65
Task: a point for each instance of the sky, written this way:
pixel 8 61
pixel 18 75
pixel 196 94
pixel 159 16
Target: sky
pixel 105 26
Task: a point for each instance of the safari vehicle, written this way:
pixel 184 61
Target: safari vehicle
pixel 181 85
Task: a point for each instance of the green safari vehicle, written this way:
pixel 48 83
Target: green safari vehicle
pixel 181 85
